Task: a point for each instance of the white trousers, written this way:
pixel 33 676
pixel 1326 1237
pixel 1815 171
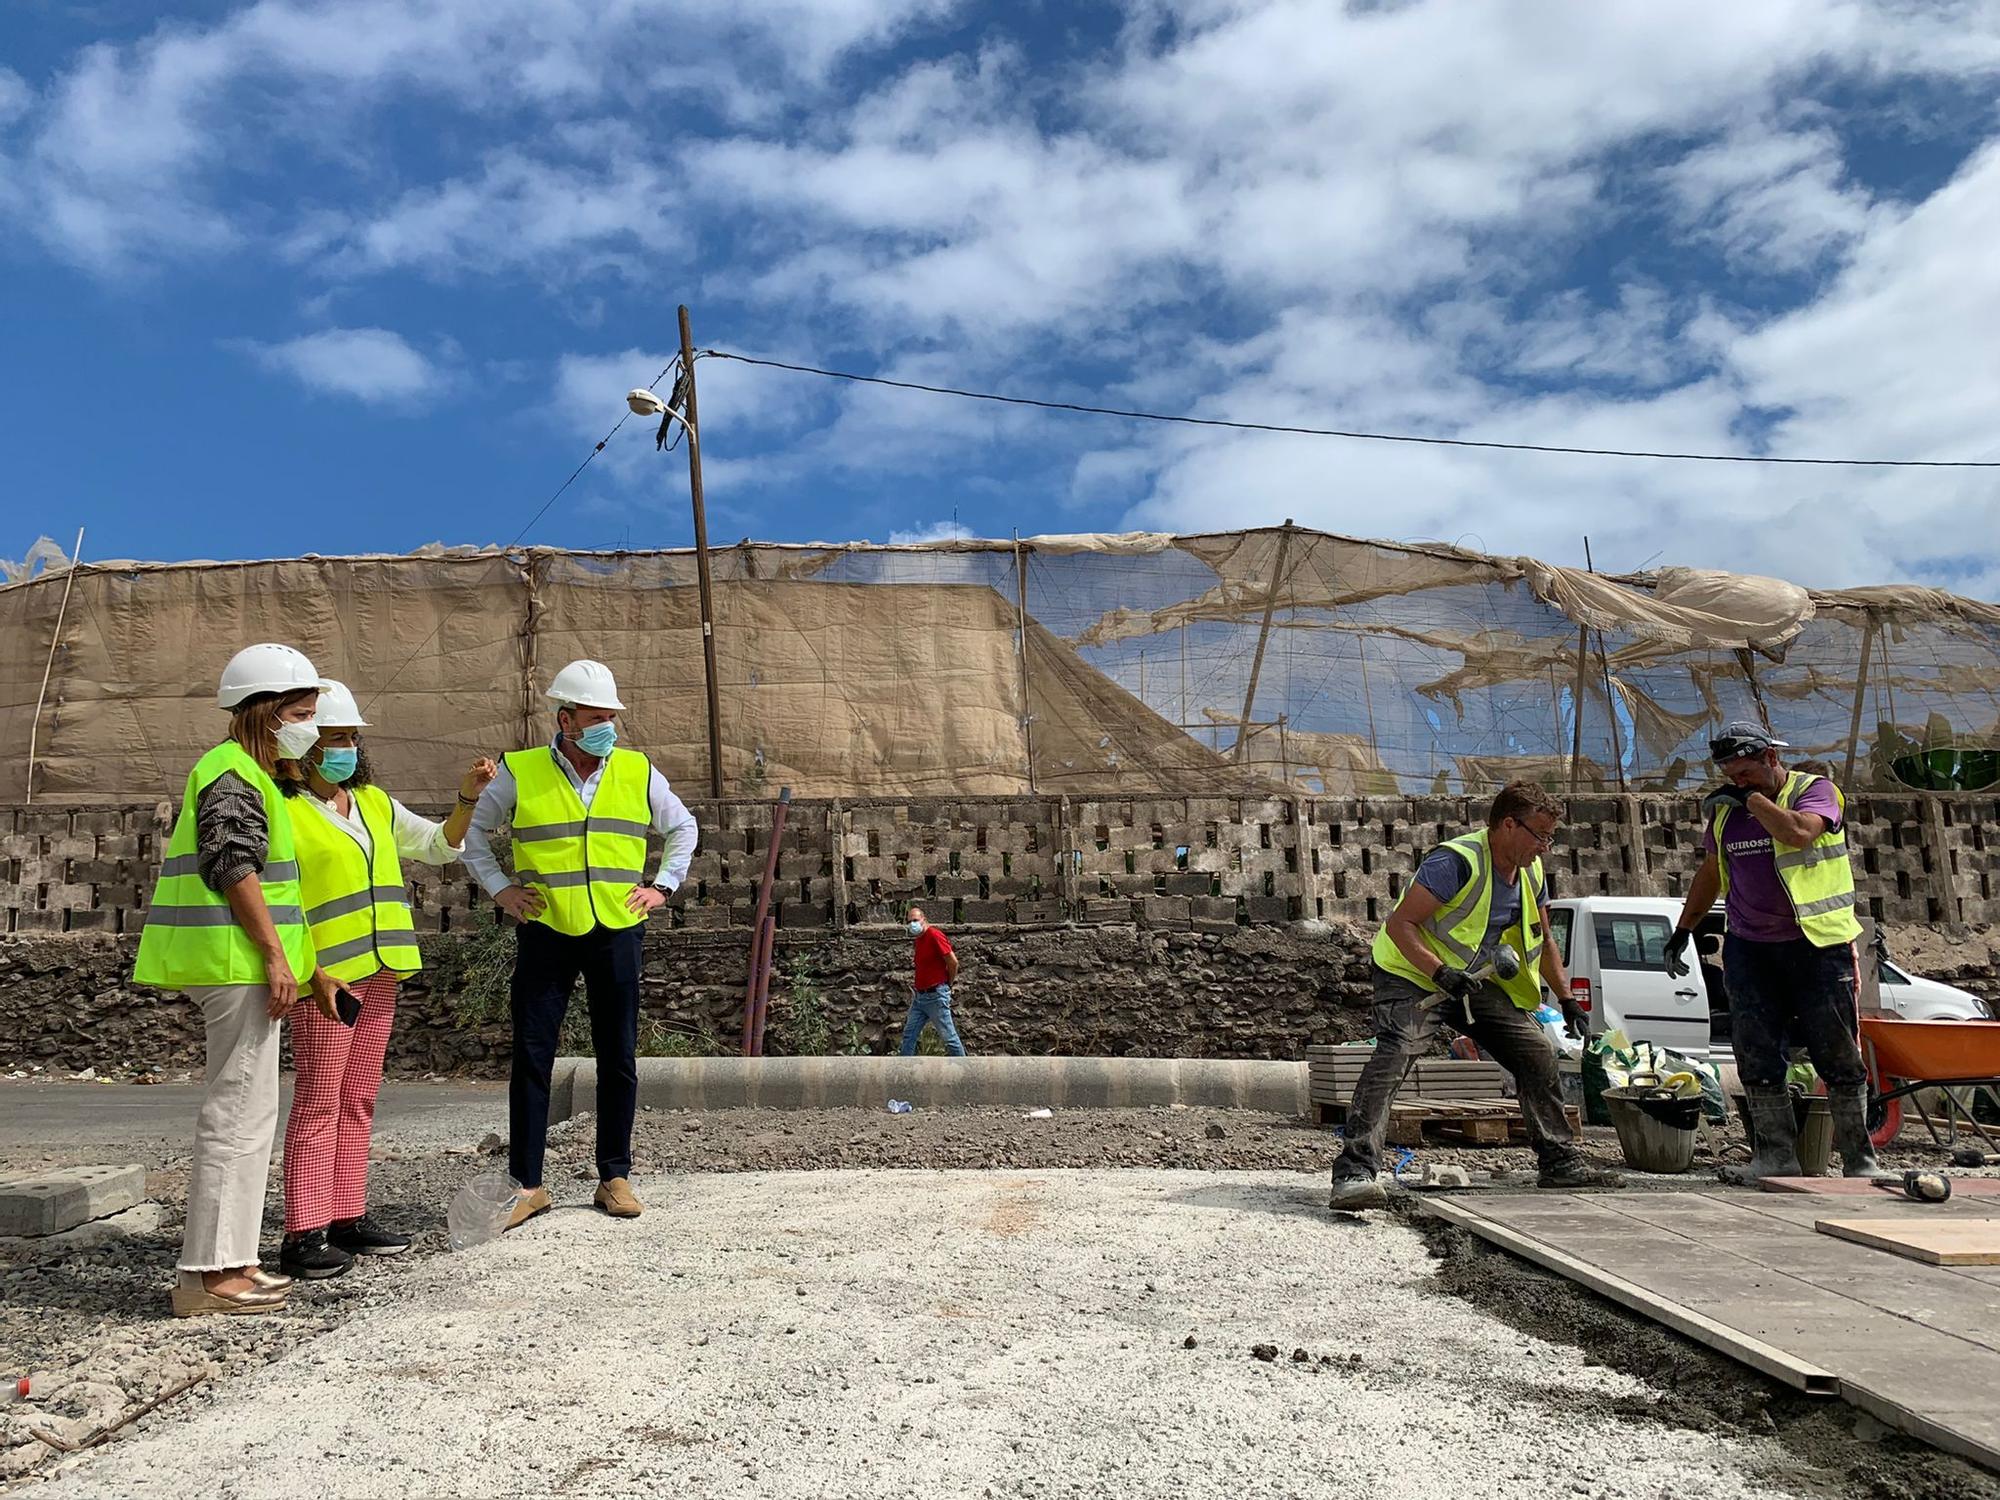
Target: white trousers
pixel 234 1132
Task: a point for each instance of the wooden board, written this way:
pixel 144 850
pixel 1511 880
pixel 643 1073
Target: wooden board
pixel 1470 1122
pixel 1940 1242
pixel 1862 1187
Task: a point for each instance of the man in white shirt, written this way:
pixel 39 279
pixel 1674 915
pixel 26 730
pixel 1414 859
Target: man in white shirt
pixel 580 810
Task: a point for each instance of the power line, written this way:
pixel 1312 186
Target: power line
pixel 1336 432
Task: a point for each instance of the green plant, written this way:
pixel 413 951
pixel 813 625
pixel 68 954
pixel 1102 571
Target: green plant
pixel 659 1039
pixel 852 1043
pixel 474 969
pixel 801 1022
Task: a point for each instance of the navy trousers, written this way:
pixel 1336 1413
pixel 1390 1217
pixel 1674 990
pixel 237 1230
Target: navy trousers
pixel 546 966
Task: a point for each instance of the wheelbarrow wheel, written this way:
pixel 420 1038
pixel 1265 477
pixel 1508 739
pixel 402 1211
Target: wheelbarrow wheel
pixel 1885 1119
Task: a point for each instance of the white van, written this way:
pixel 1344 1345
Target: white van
pixel 1614 948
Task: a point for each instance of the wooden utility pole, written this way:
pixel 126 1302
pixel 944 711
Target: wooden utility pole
pixel 693 427
pixel 1263 636
pixel 1021 625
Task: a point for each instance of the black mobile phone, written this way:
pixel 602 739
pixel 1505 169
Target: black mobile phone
pixel 346 1005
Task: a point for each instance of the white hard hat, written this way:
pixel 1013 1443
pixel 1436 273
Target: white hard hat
pixel 266 668
pixel 587 684
pixel 337 708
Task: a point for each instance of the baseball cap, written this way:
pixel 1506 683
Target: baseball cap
pixel 1743 737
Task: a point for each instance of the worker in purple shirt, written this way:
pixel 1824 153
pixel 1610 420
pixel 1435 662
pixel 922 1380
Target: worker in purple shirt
pixel 1774 845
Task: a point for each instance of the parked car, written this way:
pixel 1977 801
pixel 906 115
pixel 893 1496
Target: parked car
pixel 1613 947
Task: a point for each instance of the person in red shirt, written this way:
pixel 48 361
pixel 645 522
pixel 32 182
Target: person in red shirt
pixel 937 967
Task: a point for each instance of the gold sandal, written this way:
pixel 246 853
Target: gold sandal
pixel 193 1299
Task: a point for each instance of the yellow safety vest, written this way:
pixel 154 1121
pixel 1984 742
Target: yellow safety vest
pixel 584 862
pixel 1457 929
pixel 191 936
pixel 1817 877
pixel 357 903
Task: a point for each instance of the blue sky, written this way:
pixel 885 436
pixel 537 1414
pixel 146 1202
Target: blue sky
pixel 285 278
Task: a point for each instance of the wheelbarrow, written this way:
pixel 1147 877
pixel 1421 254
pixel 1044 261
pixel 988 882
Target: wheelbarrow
pixel 1905 1057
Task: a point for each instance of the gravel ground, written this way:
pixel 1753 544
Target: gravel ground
pixel 950 1334
pixel 94 1320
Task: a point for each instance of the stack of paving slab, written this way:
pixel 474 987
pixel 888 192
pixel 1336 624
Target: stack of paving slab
pixel 34 1204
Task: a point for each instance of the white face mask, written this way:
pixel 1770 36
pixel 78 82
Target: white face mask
pixel 294 740
pixel 915 928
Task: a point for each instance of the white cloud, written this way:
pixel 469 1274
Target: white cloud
pixel 368 364
pixel 933 531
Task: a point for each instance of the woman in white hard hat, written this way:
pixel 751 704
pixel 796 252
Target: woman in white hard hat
pixel 225 924
pixel 581 810
pixel 352 838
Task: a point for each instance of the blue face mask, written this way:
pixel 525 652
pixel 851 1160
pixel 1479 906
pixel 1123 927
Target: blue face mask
pixel 337 765
pixel 598 739
pixel 916 929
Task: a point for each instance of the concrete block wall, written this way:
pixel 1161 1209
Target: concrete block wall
pixel 1205 864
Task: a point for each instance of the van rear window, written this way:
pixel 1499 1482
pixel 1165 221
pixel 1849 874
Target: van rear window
pixel 1632 942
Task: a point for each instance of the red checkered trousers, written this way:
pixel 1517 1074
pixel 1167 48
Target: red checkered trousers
pixel 333 1105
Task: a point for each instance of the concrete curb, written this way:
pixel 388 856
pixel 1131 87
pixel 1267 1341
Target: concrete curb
pixel 930 1082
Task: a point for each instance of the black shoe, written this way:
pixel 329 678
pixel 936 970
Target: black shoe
pixel 1575 1172
pixel 309 1257
pixel 1353 1194
pixel 363 1236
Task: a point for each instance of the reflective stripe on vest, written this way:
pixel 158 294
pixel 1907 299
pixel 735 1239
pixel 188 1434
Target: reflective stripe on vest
pixel 584 862
pixel 1818 877
pixel 1456 931
pixel 357 902
pixel 191 936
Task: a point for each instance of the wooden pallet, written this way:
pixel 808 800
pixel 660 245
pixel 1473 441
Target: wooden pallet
pixel 1414 1121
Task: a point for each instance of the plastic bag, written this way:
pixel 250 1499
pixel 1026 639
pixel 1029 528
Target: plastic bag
pixel 1714 1106
pixel 1550 1020
pixel 479 1210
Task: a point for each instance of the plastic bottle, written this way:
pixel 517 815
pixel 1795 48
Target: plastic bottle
pixel 479 1210
pixel 16 1390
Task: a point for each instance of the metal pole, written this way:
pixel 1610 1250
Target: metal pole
pixel 1860 693
pixel 701 563
pixel 55 640
pixel 1021 624
pixel 1610 703
pixel 1263 635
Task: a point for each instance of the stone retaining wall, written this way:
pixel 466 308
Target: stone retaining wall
pixel 1221 927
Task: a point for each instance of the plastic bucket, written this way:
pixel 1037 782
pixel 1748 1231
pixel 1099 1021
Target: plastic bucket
pixel 1656 1134
pixel 1814 1112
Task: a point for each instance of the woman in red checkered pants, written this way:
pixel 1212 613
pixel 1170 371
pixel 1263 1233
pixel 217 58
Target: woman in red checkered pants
pixel 352 838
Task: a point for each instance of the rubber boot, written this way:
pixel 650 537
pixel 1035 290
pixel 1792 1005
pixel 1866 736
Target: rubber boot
pixel 1850 1133
pixel 1777 1128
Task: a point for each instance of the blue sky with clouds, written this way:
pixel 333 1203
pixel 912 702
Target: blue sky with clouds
pixel 285 277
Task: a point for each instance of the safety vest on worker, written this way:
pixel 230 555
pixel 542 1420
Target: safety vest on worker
pixel 356 902
pixel 1817 877
pixel 584 862
pixel 191 935
pixel 1456 931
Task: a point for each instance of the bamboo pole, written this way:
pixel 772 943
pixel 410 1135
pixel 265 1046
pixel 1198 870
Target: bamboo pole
pixel 1610 703
pixel 1860 693
pixel 1263 637
pixel 1021 627
pixel 55 640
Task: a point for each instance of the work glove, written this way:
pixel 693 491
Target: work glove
pixel 1727 795
pixel 1454 982
pixel 1674 959
pixel 1576 1020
